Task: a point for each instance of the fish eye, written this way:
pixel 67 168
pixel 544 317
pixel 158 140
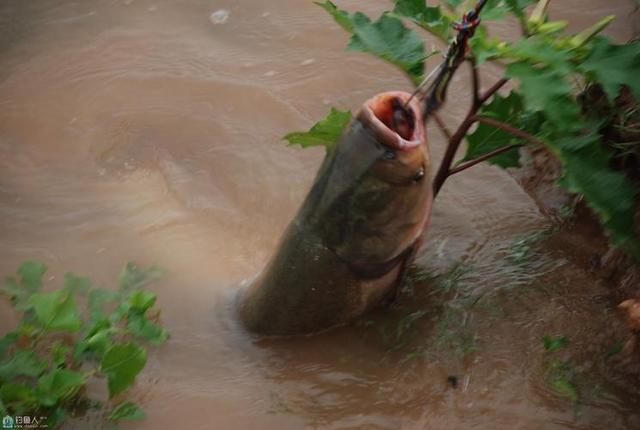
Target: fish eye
pixel 389 154
pixel 419 175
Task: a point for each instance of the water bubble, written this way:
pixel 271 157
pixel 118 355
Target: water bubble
pixel 219 16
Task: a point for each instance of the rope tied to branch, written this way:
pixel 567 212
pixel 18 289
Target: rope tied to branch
pixel 433 89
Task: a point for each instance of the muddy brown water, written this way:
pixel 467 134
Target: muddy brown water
pixel 138 130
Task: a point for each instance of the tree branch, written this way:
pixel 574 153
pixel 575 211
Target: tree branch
pixel 509 129
pixel 475 81
pixel 491 91
pixel 452 148
pixel 456 138
pixel 482 158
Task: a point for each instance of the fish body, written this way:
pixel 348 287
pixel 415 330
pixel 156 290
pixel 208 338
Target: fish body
pixel 349 244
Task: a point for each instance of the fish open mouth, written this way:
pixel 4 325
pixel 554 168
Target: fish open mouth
pixel 394 120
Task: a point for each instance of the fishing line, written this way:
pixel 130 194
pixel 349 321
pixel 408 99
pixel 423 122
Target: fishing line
pixel 432 90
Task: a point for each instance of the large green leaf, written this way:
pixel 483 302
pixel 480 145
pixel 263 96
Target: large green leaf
pixel 389 39
pixel 325 133
pixel 386 38
pixel 340 16
pixel 57 385
pixel 431 18
pixel 122 363
pixel 607 192
pixel 487 138
pixel 613 66
pixel 546 89
pixel 56 311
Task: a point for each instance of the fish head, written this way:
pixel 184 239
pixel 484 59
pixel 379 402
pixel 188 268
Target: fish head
pixel 377 183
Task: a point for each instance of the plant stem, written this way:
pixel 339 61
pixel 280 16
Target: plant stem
pixel 482 158
pixel 491 91
pixel 456 138
pixel 509 129
pixel 475 80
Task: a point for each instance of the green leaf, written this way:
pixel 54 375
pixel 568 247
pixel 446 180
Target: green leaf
pixel 127 411
pixel 324 133
pixel 566 388
pixel 18 397
pixel 497 9
pixel 97 341
pixel 31 273
pixel 545 89
pixel 141 300
pixel 76 284
pixel 487 138
pixel 607 192
pixel 56 311
pixel 613 66
pixel 588 34
pixel 431 18
pixel 7 341
pixel 59 354
pixel 390 40
pixel 340 16
pixel 133 277
pixel 537 50
pixel 22 363
pixel 58 385
pixel 554 343
pixel 122 363
pixel 98 298
pixel 141 327
pixel 486 48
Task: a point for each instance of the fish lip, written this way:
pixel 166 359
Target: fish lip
pixel 387 136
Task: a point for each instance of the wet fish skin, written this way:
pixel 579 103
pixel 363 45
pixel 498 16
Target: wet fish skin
pixel 344 251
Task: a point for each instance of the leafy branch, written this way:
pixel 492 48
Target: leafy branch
pixel 549 67
pixel 60 347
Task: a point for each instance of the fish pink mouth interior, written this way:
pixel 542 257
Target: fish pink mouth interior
pixel 391 111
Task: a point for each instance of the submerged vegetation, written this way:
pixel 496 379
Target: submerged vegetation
pixel 550 68
pixel 73 338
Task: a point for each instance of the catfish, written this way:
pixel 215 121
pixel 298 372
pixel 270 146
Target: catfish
pixel 350 244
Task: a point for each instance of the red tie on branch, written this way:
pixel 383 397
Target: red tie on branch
pixel 433 90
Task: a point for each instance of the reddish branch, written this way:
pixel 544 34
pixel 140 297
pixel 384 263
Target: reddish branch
pixel 482 158
pixel 456 139
pixel 509 129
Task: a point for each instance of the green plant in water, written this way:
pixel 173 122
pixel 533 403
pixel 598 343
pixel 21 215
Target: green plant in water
pixel 560 374
pixel 73 337
pixel 550 68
